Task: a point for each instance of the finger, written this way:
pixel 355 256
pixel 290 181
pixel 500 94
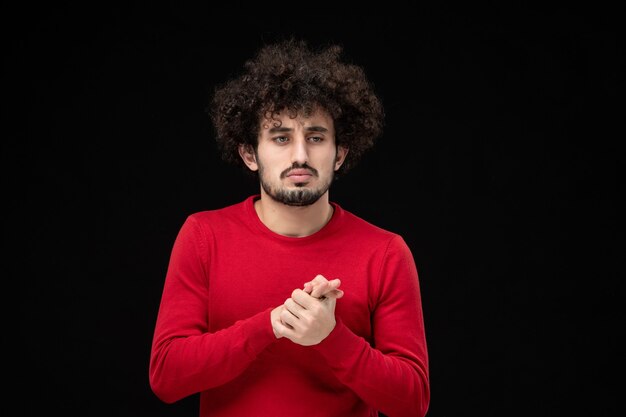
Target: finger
pixel 333 284
pixel 282 329
pixel 320 289
pixel 289 326
pixel 287 318
pixel 334 294
pixel 329 303
pixel 303 299
pixel 327 288
pixel 294 308
pixel 319 279
pixel 278 326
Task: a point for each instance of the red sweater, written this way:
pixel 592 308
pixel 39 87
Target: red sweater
pixel 213 333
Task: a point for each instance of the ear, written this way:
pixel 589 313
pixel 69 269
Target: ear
pixel 342 152
pixel 249 157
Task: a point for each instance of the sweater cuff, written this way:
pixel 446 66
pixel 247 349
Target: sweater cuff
pixel 260 332
pixel 340 336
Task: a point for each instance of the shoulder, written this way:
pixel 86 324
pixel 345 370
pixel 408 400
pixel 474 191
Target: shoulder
pixel 220 214
pixel 220 220
pixel 366 230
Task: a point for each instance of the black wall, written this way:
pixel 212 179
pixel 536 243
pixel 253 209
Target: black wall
pixel 498 165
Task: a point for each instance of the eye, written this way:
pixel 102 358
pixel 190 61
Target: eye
pixel 280 139
pixel 316 139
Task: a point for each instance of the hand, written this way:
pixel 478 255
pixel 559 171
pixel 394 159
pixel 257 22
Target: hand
pixel 308 318
pixel 320 287
pixel 275 319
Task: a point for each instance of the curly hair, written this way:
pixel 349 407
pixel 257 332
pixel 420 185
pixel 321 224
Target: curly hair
pixel 290 75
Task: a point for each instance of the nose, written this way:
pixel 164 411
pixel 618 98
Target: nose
pixel 300 153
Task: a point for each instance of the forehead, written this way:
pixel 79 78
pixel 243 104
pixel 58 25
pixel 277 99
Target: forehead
pixel 286 119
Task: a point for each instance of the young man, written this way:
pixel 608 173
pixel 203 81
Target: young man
pixel 252 316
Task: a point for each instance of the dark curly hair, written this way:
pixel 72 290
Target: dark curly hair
pixel 290 75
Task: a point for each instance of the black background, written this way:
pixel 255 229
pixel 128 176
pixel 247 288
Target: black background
pixel 498 165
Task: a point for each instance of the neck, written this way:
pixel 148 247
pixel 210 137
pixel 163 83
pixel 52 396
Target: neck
pixel 293 221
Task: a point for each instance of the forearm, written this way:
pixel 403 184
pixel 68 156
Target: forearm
pixel 181 365
pixel 395 384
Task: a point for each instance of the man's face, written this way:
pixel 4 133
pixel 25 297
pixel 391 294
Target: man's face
pixel 297 158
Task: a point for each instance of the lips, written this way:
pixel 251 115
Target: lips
pixel 300 173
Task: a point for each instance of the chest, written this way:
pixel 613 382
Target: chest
pixel 265 277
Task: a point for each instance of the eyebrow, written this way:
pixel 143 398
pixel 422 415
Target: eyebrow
pixel 281 129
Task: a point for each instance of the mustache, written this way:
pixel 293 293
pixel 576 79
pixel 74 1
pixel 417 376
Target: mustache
pixel 296 165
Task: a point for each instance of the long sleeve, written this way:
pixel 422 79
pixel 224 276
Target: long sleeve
pixel 185 358
pixel 213 333
pixel 392 375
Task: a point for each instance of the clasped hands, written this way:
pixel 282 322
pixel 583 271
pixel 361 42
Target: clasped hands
pixel 308 316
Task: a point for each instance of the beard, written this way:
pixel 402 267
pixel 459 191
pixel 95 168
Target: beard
pixel 300 196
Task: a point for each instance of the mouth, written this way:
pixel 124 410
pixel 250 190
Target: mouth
pixel 300 175
pixel 300 178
